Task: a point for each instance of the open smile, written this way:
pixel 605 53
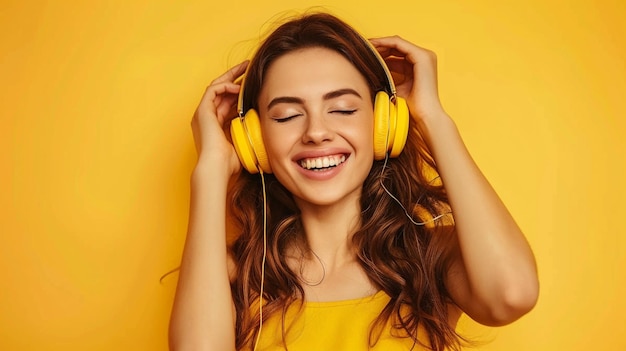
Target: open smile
pixel 322 163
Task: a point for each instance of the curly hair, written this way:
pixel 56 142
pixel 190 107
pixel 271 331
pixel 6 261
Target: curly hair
pixel 408 262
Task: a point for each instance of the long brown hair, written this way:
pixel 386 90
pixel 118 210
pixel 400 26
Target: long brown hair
pixel 407 261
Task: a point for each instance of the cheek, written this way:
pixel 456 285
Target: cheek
pixel 277 143
pixel 363 134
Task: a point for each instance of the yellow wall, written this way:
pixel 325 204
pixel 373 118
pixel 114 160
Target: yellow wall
pixel 96 150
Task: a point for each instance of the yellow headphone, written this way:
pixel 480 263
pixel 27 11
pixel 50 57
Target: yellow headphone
pixel 391 127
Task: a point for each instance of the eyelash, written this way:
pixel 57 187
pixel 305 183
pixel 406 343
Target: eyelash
pixel 344 112
pixel 285 119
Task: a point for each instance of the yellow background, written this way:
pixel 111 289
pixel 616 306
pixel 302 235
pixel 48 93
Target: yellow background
pixel 96 151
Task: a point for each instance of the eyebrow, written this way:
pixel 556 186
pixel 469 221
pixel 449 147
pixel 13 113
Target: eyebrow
pixel 328 96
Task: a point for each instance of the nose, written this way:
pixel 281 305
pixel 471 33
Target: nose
pixel 317 130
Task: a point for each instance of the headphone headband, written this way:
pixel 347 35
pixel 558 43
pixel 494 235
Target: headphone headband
pixel 391 85
pixel 379 58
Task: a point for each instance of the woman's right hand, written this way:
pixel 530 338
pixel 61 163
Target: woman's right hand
pixel 202 315
pixel 216 108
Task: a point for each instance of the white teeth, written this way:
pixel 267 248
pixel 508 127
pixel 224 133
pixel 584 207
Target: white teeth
pixel 322 162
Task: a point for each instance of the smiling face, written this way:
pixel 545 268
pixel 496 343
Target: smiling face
pixel 317 122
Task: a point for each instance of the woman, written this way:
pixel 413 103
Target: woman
pixel 361 253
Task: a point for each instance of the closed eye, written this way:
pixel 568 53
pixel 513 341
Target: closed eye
pixel 286 119
pixel 344 112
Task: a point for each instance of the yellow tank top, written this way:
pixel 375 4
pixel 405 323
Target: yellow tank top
pixel 341 325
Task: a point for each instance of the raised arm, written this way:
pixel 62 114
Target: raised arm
pixel 203 313
pixel 493 278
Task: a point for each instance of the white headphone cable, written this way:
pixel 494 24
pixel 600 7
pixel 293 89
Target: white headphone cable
pixel 258 337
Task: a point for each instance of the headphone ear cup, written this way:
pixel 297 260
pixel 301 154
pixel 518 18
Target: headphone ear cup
pixel 248 142
pixel 401 131
pixel 242 145
pixel 381 124
pixel 253 126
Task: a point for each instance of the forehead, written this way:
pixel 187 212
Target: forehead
pixel 310 72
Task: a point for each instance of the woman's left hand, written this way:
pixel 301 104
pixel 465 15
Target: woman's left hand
pixel 492 275
pixel 414 71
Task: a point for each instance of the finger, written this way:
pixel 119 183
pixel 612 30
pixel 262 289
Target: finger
pixel 389 41
pixel 232 74
pixel 215 90
pixel 397 46
pixel 386 52
pixel 399 66
pixel 226 108
pixel 213 98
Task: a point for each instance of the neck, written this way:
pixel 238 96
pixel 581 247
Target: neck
pixel 331 272
pixel 329 230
